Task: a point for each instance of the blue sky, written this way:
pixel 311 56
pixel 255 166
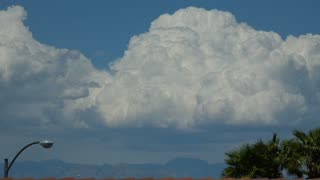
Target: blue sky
pixel 118 81
pixel 108 25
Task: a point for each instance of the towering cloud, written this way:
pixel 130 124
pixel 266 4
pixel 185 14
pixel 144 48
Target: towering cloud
pixel 197 67
pixel 192 68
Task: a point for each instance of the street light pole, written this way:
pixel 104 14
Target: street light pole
pixel 45 144
pixel 5 172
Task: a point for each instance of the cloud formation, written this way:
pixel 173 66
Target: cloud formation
pixel 192 68
pixel 196 67
pixel 41 85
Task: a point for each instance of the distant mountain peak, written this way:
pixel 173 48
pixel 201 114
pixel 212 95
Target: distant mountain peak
pixel 178 167
pixel 185 161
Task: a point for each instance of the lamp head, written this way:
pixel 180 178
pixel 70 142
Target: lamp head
pixel 46 143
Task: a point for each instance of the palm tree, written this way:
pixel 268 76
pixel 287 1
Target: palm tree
pixel 301 155
pixel 238 162
pixel 256 160
pixel 272 158
pixel 292 159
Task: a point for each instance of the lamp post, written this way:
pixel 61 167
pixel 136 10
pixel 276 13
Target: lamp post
pixel 45 144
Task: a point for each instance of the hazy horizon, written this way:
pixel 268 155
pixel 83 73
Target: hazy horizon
pixel 146 82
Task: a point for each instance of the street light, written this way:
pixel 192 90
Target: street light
pixel 45 144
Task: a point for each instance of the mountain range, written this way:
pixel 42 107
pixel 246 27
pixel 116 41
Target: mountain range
pixel 179 167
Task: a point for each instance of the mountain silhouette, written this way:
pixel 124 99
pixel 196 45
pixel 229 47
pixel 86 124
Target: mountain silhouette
pixel 179 167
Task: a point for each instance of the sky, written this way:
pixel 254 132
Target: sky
pixel 148 81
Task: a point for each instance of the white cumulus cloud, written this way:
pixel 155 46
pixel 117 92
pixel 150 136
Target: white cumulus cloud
pixel 192 68
pixel 197 67
pixel 40 84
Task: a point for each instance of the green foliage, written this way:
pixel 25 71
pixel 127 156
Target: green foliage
pixel 301 155
pixel 254 161
pixel 238 162
pixel 298 156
